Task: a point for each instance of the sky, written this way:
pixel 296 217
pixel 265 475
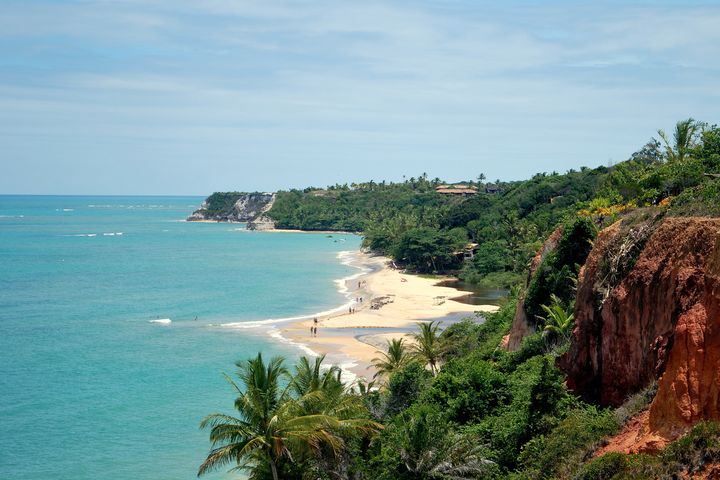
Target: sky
pixel 191 97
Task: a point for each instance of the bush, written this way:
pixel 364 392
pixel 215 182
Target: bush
pixel 558 272
pixel 404 387
pixel 426 249
pixel 467 390
pixel 539 400
pixel 703 200
pixel 690 453
pixel 565 447
pixel 603 468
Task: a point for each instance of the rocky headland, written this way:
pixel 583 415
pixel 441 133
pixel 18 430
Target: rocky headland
pixel 250 208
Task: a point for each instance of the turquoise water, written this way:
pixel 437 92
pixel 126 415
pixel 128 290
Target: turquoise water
pixel 89 388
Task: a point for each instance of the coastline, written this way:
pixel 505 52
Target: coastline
pixel 277 230
pixel 392 302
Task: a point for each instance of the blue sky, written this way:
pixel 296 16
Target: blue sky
pixel 190 97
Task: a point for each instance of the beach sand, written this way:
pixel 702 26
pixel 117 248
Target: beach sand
pixel 353 340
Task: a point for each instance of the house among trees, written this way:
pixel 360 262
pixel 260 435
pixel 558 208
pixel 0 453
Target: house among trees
pixel 459 190
pixel 492 188
pixel 467 253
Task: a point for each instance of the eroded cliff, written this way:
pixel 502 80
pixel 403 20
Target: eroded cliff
pixel 521 327
pixel 236 207
pixel 648 308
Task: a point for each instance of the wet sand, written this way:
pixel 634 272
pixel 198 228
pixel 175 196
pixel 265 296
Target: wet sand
pixel 392 303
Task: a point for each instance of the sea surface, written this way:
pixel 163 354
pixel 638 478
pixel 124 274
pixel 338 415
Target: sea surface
pixel 90 386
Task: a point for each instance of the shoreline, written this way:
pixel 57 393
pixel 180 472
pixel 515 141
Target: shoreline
pixel 392 303
pixel 276 230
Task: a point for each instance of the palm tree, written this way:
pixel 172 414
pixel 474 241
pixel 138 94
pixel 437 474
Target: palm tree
pixel 427 346
pixel 362 387
pixel 310 378
pixel 559 321
pixel 684 138
pixel 428 450
pixel 393 360
pixel 268 428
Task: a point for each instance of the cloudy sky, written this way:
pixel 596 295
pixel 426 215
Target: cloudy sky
pixel 189 97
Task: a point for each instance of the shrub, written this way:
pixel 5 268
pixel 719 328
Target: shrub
pixel 700 446
pixel 565 447
pixel 468 390
pixel 603 468
pixel 405 386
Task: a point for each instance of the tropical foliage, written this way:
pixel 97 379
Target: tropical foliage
pixel 276 428
pixel 558 320
pixel 452 404
pixel 395 358
pixel 427 346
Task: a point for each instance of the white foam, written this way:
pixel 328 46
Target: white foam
pixel 68 209
pixel 162 321
pixel 347 258
pixel 346 375
pixel 111 234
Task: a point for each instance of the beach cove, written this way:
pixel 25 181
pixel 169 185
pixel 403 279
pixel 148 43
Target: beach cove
pixel 384 303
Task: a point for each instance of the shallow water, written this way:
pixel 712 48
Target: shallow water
pixel 477 295
pixel 90 387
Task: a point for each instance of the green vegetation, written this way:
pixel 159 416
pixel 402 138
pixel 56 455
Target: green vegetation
pixel 695 453
pixel 454 404
pixel 287 423
pixel 427 346
pixel 427 232
pixel 220 203
pixel 393 360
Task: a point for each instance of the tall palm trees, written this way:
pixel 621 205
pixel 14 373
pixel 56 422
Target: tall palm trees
pixel 312 377
pixel 426 347
pixel 427 344
pixel 274 425
pixel 393 360
pixel 684 138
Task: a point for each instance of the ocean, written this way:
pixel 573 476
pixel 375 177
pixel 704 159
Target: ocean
pixel 91 385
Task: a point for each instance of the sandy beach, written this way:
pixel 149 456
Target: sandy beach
pixel 392 302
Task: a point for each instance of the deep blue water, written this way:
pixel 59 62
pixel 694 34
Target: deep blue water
pixel 89 388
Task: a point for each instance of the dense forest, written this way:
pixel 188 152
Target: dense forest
pixel 451 404
pixel 424 230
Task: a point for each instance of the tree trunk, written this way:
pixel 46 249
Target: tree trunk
pixel 273 468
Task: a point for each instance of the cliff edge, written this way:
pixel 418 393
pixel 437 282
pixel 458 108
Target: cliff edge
pixel 648 308
pixel 237 207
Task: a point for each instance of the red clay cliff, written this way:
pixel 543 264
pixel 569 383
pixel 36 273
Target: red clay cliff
pixel 659 320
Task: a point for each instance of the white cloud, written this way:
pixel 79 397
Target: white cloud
pixel 375 79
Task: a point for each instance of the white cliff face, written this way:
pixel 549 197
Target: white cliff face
pixel 262 221
pixel 248 207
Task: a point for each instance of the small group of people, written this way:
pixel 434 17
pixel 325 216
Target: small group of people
pixel 358 299
pixel 313 328
pixel 351 310
pixel 361 283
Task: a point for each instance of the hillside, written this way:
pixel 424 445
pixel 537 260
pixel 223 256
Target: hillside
pixel 603 362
